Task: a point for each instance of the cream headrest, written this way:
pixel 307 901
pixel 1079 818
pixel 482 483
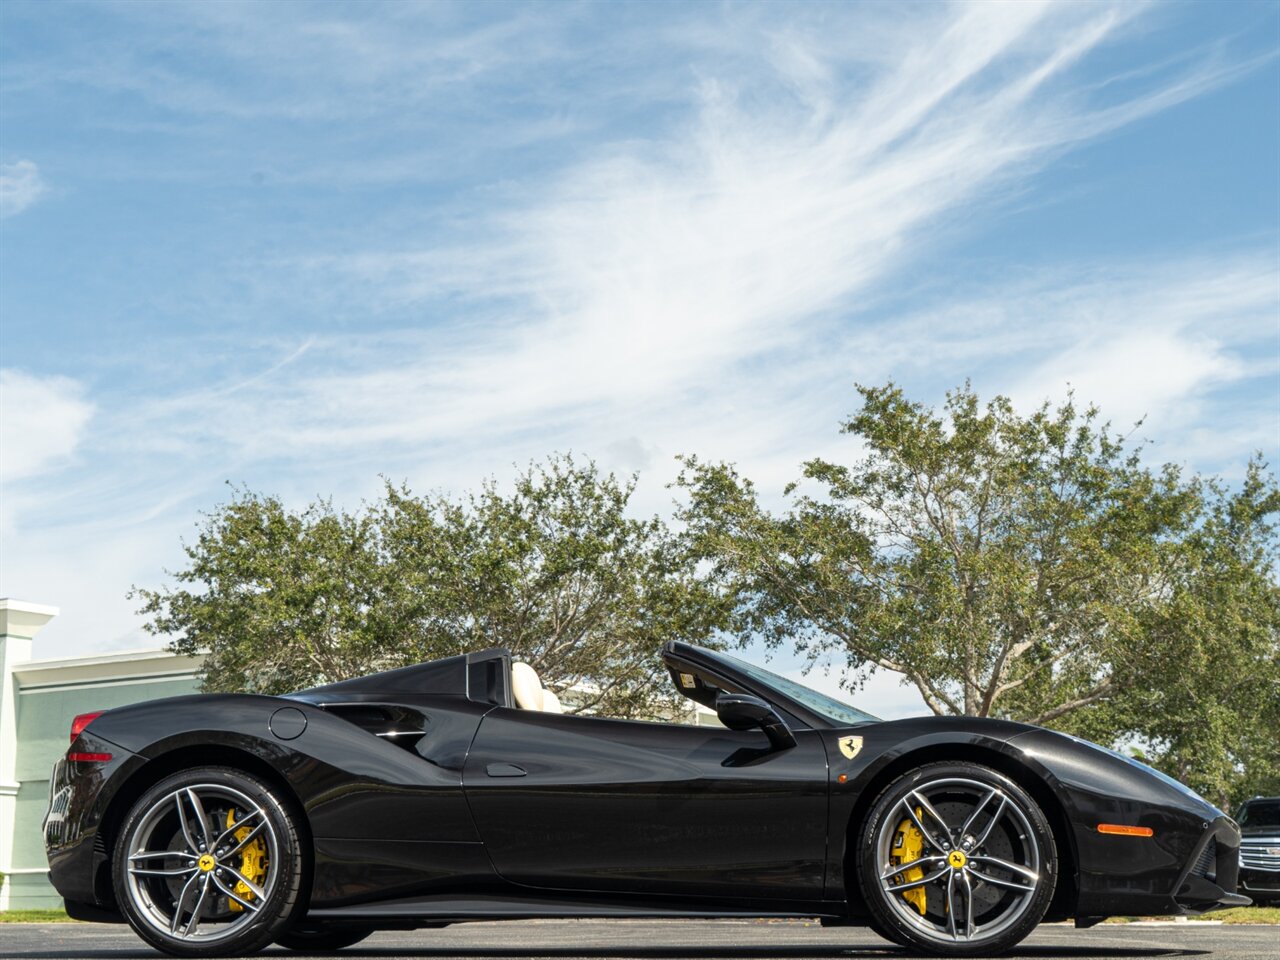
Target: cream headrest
pixel 526 687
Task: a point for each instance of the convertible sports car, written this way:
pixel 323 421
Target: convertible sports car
pixel 455 790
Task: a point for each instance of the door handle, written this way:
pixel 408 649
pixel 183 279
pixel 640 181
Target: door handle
pixel 504 770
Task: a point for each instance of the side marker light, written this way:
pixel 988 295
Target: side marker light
pixel 1121 830
pixel 89 757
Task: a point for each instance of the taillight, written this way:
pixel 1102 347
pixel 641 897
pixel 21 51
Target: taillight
pixel 82 721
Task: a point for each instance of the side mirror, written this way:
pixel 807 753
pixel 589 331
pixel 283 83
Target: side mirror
pixel 741 711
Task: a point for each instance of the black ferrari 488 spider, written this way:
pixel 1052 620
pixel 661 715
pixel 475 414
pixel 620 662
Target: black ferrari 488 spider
pixel 455 790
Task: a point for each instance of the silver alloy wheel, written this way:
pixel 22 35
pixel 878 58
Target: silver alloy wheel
pixel 184 863
pixel 980 860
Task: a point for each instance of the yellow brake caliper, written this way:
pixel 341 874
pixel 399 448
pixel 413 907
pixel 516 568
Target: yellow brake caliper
pixel 908 845
pixel 252 863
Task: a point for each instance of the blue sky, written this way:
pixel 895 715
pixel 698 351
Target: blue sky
pixel 297 246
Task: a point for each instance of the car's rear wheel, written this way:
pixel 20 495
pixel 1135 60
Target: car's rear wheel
pixel 956 859
pixel 321 937
pixel 208 864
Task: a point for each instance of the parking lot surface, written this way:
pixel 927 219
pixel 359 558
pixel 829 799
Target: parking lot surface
pixel 666 940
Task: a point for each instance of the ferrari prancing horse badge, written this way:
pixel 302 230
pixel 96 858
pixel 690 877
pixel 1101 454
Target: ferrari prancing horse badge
pixel 850 746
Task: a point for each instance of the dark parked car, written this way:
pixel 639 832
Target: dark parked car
pixel 1260 849
pixel 455 790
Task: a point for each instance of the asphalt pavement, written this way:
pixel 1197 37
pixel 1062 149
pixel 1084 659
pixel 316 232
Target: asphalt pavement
pixel 678 940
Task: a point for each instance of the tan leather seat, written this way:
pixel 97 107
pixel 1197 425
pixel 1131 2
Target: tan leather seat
pixel 529 692
pixel 526 687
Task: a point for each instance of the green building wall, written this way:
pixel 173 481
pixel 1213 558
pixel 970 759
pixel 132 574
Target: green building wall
pixel 38 699
pixel 44 719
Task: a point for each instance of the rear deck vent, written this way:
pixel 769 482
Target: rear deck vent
pixel 401 725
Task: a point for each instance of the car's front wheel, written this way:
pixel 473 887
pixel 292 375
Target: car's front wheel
pixel 956 859
pixel 208 864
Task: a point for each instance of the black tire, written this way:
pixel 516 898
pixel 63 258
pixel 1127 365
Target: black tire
pixel 886 933
pixel 321 937
pixel 981 885
pixel 182 861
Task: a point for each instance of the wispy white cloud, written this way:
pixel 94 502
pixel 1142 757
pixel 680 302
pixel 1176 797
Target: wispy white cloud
pixel 1150 374
pixel 42 425
pixel 20 186
pixel 640 274
pixel 1169 343
pixel 298 61
pixel 42 421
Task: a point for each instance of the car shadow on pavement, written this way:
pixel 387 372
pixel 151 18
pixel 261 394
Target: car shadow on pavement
pixel 824 952
pixel 833 952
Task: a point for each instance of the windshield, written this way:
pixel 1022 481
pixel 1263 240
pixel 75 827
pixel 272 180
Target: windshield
pixel 837 711
pixel 1261 813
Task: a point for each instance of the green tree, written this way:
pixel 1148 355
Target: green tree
pixel 1019 566
pixel 278 599
pixel 558 572
pixel 1205 699
pixel 555 570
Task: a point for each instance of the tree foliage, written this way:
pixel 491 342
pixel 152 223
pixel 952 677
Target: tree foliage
pixel 1023 566
pixel 1019 566
pixel 555 570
